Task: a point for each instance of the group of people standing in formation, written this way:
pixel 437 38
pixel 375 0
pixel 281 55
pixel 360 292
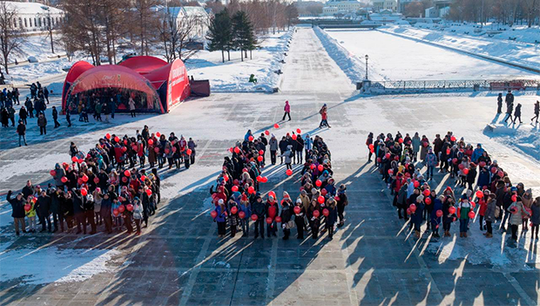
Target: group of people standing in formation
pixel 509 101
pixel 482 188
pixel 237 199
pixel 102 186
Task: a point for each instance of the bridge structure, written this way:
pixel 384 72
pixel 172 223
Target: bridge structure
pixel 339 23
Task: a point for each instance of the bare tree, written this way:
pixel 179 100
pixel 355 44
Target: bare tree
pixel 11 37
pixel 180 31
pixel 145 21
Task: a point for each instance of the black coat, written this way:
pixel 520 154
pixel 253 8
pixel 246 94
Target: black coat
pixel 43 205
pixel 17 206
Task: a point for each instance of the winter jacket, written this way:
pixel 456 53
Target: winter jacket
pixel 464 209
pixel 43 205
pixel 517 211
pixel 137 211
pixel 21 129
pixel 535 216
pixel 17 206
pixel 288 156
pixel 489 214
pixel 259 209
pixel 32 212
pixel 42 121
pixel 476 154
pixel 221 213
pixel 483 178
pixel 431 160
pixel 273 144
pixel 286 212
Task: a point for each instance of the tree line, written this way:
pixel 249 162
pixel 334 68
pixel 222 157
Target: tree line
pixel 508 12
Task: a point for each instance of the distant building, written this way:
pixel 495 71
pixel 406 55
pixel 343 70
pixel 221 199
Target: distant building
pixel 384 5
pixel 341 7
pixel 196 14
pixel 401 4
pixel 440 9
pixel 385 16
pixel 35 17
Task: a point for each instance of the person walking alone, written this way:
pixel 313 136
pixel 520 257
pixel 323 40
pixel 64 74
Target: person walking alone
pixel 324 116
pixel 21 130
pixel 499 103
pixel 132 107
pixel 42 123
pixel 536 112
pixel 55 117
pixel 287 110
pixel 517 114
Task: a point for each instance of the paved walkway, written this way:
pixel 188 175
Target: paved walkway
pixel 179 260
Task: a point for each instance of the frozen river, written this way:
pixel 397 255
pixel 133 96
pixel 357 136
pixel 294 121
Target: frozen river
pixel 396 58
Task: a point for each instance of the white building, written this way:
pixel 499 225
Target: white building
pixel 382 5
pixel 344 7
pixel 385 17
pixel 196 14
pixel 35 17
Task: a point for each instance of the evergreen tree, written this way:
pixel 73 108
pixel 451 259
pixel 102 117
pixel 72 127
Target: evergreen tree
pixel 243 35
pixel 220 33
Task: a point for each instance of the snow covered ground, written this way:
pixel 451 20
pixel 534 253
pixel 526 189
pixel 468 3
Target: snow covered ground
pixel 394 58
pixel 233 76
pixel 218 121
pixel 524 52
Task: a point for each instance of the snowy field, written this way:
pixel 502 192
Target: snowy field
pixel 524 51
pixel 218 121
pixel 394 58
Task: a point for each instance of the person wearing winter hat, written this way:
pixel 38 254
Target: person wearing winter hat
pixel 245 207
pixel 517 210
pixel 137 214
pixel 464 207
pixel 221 218
pixel 299 218
pixel 342 201
pixel 258 208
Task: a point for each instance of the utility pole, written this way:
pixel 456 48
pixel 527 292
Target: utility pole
pixel 367 75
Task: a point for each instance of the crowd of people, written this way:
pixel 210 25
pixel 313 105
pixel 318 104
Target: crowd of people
pixel 238 199
pixel 509 101
pixel 103 185
pixel 482 188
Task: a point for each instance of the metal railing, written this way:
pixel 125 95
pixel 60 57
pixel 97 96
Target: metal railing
pixel 441 85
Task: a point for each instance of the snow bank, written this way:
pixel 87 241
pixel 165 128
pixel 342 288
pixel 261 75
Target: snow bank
pixel 233 76
pixel 353 67
pixel 522 137
pixel 53 265
pixel 507 51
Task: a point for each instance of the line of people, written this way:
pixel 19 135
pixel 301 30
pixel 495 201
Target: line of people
pixel 509 101
pixel 486 190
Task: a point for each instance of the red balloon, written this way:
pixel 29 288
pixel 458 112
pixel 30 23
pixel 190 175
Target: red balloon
pixel 299 131
pixel 250 138
pixel 234 188
pixel 371 147
pixel 264 179
pixel 52 173
pixel 278 219
pixel 514 198
pixel 174 149
pixel 324 192
pixel 79 181
pixel 479 194
pixel 27 207
pixel 226 178
pixel 379 160
pixel 482 164
pixel 316 213
pixel 127 173
pixel 125 142
pixel 254 217
pixel 242 215
pixel 143 178
pixel 115 212
pixel 321 199
pixel 448 151
pixel 466 171
pixel 148 192
pixel 96 180
pixel 473 204
pixel 400 140
pixel 74 159
pixel 325 212
pixel 461 166
pixel 150 142
pixel 471 214
pixel 312 166
pixel 64 179
pixel 129 207
pixel 124 179
pixel 387 156
pixel 297 209
pixel 416 184
pixel 409 211
pixel 121 208
pixel 261 152
pixel 320 168
pixel 452 210
pixel 293 136
pixel 454 160
pixel 236 150
pixel 276 126
pixel 269 220
pixel 439 213
pixel 167 150
pixel 427 192
pixel 289 172
pixel 260 158
pixel 156 149
pixel 116 139
pixel 318 183
pixel 213 214
pixel 234 210
pixel 428 201
pixel 84 192
pixel 412 207
pixel 500 174
pixel 251 190
pixel 108 136
pixel 158 134
pixel 267 132
pixel 390 171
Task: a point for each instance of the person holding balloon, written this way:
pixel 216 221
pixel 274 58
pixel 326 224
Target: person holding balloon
pixel 313 213
pixel 436 214
pixel 286 216
pixel 448 213
pixel 517 211
pixel 244 212
pixel 463 212
pixel 330 212
pixel 299 218
pixel 221 218
pixel 489 214
pixel 258 209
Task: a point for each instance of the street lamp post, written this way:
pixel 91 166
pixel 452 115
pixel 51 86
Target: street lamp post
pixel 367 75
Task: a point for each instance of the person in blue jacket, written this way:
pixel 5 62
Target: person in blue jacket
pixel 435 220
pixel 477 153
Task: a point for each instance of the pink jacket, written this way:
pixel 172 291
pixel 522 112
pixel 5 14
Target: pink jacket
pixel 287 108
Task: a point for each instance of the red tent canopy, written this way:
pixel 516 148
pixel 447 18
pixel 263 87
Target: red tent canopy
pixel 157 79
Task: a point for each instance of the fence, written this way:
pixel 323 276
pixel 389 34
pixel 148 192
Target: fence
pixel 449 85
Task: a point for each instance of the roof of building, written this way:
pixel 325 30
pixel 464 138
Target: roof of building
pixel 32 8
